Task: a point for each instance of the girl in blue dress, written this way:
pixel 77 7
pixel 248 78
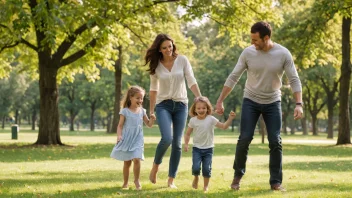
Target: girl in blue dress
pixel 130 141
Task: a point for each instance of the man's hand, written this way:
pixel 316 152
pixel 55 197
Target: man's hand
pixel 152 116
pixel 219 109
pixel 298 113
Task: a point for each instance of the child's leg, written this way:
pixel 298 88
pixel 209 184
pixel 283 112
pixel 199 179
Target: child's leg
pixel 136 171
pixel 207 159
pixel 196 162
pixel 126 173
pixel 195 182
pixel 206 183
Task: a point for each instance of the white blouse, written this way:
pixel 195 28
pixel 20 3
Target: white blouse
pixel 171 84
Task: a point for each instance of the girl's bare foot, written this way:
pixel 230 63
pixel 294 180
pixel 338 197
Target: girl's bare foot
pixel 138 185
pixel 195 182
pixel 172 186
pixel 125 186
pixel 153 172
pixel 205 189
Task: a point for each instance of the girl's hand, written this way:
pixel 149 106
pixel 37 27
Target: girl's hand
pixel 119 138
pixel 232 115
pixel 185 147
pixel 152 116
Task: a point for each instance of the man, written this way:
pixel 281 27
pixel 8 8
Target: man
pixel 265 62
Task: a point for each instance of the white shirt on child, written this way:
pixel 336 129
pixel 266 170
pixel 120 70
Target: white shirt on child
pixel 171 84
pixel 203 131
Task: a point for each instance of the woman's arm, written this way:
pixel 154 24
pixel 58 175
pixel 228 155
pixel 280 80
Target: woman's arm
pixel 195 90
pixel 152 98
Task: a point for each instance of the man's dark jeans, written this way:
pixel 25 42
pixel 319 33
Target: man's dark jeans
pixel 273 119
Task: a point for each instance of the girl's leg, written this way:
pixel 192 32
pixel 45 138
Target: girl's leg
pixel 206 183
pixel 126 173
pixel 195 182
pixel 136 171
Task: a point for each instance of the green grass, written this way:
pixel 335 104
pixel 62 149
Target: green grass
pixel 312 166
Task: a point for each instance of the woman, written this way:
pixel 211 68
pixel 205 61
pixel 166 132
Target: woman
pixel 168 94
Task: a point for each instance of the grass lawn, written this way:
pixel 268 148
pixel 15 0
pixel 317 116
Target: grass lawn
pixel 312 167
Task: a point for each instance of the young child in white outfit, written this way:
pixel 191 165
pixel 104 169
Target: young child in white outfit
pixel 130 141
pixel 202 124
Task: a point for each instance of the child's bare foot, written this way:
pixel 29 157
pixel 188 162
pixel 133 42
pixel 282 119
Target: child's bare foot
pixel 153 172
pixel 125 186
pixel 205 189
pixel 195 182
pixel 171 185
pixel 138 185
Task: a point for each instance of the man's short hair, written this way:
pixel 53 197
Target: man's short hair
pixel 263 28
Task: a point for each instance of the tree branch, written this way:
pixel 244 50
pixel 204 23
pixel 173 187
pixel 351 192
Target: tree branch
pixel 67 43
pixel 154 3
pixel 30 45
pixel 9 46
pixel 138 36
pixel 79 54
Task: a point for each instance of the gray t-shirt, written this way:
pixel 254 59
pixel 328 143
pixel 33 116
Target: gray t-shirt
pixel 264 73
pixel 203 131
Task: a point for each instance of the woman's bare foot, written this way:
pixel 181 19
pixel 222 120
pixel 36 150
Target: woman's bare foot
pixel 138 185
pixel 195 182
pixel 153 172
pixel 172 186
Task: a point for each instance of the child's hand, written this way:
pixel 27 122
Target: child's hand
pixel 232 115
pixel 185 147
pixel 119 138
pixel 152 116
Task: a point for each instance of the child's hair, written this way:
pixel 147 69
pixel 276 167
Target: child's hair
pixel 192 110
pixel 126 102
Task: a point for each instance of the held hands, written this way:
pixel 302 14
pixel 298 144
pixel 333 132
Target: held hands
pixel 152 116
pixel 298 113
pixel 219 109
pixel 185 148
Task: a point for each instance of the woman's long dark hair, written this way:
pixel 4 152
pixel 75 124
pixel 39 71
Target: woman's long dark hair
pixel 153 54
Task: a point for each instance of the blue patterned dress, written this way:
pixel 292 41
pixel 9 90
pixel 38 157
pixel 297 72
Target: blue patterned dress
pixel 132 143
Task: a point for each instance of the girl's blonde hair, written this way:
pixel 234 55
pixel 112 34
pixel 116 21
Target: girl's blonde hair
pixel 192 110
pixel 126 102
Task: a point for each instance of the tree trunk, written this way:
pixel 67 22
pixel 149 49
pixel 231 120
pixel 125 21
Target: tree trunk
pixel 49 128
pixel 293 127
pixel 118 89
pixel 92 123
pixel 330 130
pixel 72 120
pixel 34 118
pixel 262 129
pixel 17 116
pixel 284 125
pixel 344 136
pixel 3 122
pixel 314 124
pixel 304 125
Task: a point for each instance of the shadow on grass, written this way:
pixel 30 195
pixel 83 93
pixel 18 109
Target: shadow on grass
pixel 30 153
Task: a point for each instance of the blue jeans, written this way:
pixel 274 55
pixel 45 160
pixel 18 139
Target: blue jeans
pixel 171 117
pixel 273 119
pixel 204 157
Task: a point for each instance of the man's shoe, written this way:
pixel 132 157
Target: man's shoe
pixel 278 187
pixel 236 183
